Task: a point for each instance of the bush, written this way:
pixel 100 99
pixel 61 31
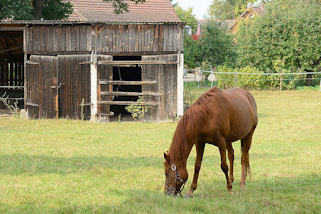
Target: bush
pixel 138 111
pixel 259 81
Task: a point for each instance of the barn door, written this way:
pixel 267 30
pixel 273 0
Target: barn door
pixel 58 86
pixel 74 86
pixel 42 88
pixel 163 70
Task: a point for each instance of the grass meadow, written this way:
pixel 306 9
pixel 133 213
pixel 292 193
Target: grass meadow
pixel 68 166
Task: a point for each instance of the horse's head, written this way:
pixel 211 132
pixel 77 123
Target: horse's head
pixel 176 176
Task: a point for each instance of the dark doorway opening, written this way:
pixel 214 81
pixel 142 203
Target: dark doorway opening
pixel 129 73
pixel 11 68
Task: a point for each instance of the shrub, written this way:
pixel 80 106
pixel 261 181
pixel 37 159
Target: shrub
pixel 138 111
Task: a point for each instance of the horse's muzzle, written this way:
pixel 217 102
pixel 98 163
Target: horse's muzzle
pixel 170 191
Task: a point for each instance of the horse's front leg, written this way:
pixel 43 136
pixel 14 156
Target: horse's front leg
pixel 199 157
pixel 224 166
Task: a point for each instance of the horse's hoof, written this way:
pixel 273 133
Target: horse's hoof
pixel 230 191
pixel 188 196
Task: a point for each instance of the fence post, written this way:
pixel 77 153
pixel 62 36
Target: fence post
pixel 211 74
pixel 198 81
pixel 235 81
pixel 281 82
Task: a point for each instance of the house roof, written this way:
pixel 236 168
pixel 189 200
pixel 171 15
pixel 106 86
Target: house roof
pixel 103 11
pixel 256 10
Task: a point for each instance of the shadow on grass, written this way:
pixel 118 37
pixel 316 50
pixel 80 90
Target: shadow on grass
pixel 22 164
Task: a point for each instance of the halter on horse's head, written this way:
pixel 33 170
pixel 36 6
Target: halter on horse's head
pixel 174 183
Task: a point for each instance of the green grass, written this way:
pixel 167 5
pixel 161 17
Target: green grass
pixel 65 166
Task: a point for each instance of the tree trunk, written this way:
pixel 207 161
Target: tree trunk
pixel 38 6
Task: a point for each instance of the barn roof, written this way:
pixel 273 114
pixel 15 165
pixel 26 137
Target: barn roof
pixel 99 11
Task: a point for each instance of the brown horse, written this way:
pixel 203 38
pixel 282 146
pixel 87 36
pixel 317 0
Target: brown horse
pixel 218 118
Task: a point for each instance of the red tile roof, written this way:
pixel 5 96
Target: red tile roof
pixel 256 10
pixel 99 10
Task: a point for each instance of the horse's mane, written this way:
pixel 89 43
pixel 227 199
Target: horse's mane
pixel 196 116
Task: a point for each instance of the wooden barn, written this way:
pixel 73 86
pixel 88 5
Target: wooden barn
pixel 96 63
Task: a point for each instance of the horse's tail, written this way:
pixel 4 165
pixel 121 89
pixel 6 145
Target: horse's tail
pixel 246 161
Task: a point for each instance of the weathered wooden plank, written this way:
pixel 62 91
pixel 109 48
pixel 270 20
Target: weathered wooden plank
pixel 120 93
pixel 126 103
pixel 31 104
pixel 135 62
pixel 102 82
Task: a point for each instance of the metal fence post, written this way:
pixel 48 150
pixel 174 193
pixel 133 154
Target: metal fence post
pixel 198 81
pixel 211 74
pixel 235 81
pixel 281 82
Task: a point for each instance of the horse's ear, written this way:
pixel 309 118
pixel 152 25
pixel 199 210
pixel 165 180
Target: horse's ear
pixel 166 157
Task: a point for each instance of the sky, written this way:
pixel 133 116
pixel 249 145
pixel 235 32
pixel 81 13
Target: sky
pixel 199 7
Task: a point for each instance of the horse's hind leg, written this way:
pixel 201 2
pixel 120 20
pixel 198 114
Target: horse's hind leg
pixel 199 157
pixel 230 152
pixel 246 144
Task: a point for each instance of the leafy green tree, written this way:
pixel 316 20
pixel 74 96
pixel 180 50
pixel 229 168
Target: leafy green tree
pixel 20 9
pixel 283 39
pixel 191 52
pixel 35 9
pixel 187 16
pixel 120 6
pixel 217 45
pixel 51 9
pixel 227 9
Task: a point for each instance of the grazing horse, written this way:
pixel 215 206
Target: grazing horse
pixel 218 118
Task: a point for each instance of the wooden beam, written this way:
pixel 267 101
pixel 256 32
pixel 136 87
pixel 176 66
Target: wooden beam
pixel 120 93
pixel 31 104
pixel 126 103
pixel 12 28
pixel 120 63
pixel 106 82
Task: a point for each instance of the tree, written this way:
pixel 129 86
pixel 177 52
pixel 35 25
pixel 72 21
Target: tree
pixel 51 9
pixel 35 9
pixel 227 9
pixel 120 6
pixel 20 9
pixel 191 50
pixel 187 16
pixel 217 45
pixel 288 38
